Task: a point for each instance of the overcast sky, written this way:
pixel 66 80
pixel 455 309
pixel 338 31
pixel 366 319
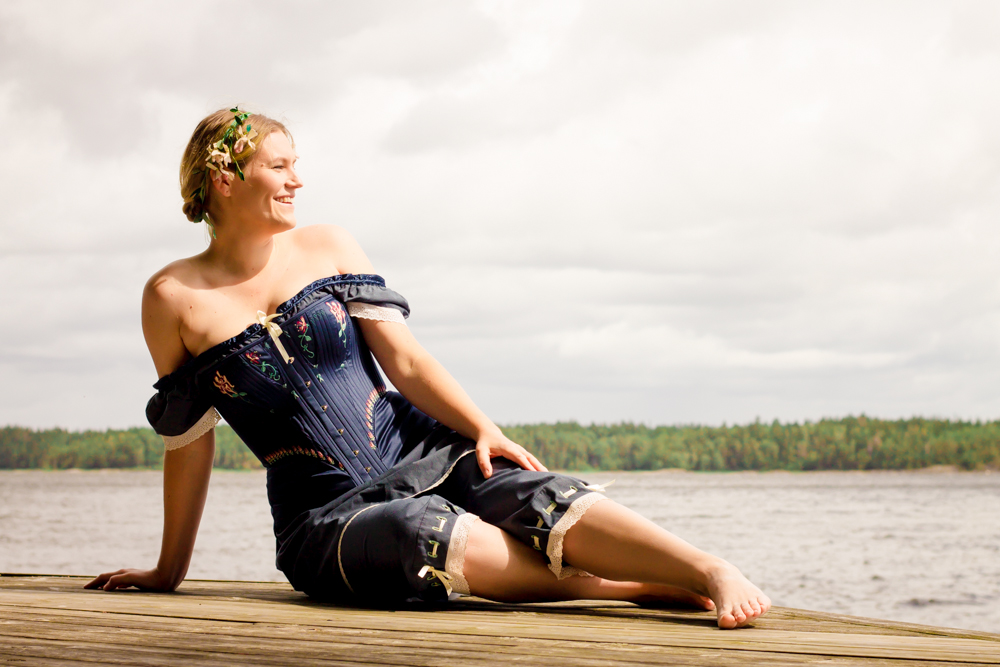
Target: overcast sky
pixel 667 212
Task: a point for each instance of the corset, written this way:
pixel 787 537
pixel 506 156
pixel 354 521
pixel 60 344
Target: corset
pixel 302 390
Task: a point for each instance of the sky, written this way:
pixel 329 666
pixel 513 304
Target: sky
pixel 659 212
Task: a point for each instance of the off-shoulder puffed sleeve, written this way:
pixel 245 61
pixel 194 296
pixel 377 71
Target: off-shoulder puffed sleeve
pixel 369 298
pixel 178 413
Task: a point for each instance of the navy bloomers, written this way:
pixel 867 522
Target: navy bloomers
pixel 372 499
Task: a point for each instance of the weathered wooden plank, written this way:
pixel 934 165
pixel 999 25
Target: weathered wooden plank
pixel 308 642
pixel 250 651
pixel 32 650
pixel 300 651
pixel 210 615
pixel 787 619
pixel 270 653
pixel 509 624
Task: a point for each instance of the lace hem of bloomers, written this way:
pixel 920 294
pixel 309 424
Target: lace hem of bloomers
pixel 555 547
pixel 455 563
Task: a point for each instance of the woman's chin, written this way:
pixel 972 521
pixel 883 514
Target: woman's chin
pixel 284 222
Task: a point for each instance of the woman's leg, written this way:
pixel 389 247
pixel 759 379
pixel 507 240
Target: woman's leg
pixel 500 567
pixel 633 558
pixel 614 542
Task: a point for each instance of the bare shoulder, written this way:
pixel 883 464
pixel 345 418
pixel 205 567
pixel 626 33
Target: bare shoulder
pixel 335 243
pixel 325 239
pixel 167 295
pixel 169 289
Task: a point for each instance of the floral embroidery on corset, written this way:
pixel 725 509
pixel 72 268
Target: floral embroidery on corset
pixel 338 313
pixel 223 384
pixel 268 369
pixel 302 327
pixel 273 457
pixel 377 393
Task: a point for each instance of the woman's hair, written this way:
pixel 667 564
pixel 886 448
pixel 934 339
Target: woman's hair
pixel 194 173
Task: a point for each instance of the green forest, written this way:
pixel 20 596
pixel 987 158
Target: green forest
pixel 851 443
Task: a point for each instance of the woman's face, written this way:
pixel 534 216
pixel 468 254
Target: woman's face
pixel 268 192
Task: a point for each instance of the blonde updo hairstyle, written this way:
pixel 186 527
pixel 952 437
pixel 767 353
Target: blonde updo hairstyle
pixel 194 173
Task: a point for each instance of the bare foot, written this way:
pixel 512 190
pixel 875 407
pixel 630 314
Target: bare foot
pixel 737 601
pixel 657 595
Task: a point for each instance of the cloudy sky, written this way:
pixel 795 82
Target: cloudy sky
pixel 667 212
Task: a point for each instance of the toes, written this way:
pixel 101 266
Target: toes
pixel 748 611
pixel 701 601
pixel 727 621
pixel 755 607
pixel 739 615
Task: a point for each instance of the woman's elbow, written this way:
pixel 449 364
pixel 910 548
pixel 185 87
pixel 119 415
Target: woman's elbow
pixel 172 580
pixel 404 368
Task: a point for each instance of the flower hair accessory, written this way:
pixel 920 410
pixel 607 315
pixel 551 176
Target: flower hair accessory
pixel 221 154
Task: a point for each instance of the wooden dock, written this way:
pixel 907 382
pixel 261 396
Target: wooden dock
pixel 50 620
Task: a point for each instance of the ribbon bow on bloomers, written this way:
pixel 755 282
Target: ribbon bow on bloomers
pixel 442 576
pixel 265 321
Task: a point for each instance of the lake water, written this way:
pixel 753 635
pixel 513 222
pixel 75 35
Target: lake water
pixel 922 547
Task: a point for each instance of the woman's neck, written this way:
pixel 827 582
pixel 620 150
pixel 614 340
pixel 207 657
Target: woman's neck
pixel 240 255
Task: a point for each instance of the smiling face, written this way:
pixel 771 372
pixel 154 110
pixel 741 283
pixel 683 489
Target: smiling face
pixel 268 193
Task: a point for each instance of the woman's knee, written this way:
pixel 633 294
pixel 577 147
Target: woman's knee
pixel 488 547
pixel 500 567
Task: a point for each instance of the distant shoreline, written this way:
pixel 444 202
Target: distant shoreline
pixel 847 444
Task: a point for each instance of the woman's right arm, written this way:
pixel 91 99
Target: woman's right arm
pixel 185 486
pixel 186 470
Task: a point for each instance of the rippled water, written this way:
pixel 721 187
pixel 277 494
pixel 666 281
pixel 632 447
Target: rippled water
pixel 909 546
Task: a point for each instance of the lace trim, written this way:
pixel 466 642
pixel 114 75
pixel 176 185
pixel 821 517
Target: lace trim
pixel 367 311
pixel 455 563
pixel 201 427
pixel 555 548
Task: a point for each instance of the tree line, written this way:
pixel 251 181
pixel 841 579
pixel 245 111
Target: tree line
pixel 851 443
pixel 131 448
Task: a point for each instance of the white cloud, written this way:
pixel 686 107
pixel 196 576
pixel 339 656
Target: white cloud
pixel 660 211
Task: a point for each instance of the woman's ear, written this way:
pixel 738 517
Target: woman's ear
pixel 221 182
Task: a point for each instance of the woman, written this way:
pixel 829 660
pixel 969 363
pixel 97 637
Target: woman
pixel 376 496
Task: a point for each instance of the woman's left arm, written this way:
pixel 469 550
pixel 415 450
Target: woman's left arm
pixel 426 383
pixel 414 372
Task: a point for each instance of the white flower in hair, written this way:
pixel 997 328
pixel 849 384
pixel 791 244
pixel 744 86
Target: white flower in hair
pixel 218 159
pixel 244 140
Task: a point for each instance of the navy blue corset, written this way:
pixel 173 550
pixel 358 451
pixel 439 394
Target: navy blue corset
pixel 323 423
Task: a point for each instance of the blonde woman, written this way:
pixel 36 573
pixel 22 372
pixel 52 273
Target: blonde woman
pixel 377 496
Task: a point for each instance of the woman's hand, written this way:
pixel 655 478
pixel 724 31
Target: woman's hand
pixel 146 580
pixel 497 444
